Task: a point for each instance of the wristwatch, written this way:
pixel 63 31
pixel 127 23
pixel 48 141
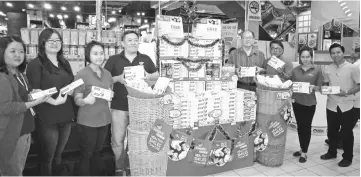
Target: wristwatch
pixel 346 94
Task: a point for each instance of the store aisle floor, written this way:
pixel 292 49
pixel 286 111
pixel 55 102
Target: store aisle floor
pixel 314 165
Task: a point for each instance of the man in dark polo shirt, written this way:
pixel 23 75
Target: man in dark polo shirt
pixel 247 56
pixel 119 105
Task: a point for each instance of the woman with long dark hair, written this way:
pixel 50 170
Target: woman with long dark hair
pixel 50 69
pixel 16 113
pixel 305 104
pixel 94 114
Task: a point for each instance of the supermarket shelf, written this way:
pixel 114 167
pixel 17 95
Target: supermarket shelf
pixel 200 79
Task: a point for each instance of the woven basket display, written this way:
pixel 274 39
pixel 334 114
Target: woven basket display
pixel 142 161
pixel 265 87
pixel 139 94
pixel 144 112
pixel 267 101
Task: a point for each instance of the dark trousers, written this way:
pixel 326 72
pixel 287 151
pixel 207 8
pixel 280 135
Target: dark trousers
pixel 250 87
pixel 304 116
pixel 52 139
pixel 91 141
pixel 347 121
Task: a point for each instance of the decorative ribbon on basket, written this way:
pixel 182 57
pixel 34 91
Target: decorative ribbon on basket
pixel 180 144
pixel 158 135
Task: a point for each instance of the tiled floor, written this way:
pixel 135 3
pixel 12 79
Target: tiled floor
pixel 314 165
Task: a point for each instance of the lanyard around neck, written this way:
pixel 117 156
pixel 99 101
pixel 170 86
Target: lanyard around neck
pixel 22 81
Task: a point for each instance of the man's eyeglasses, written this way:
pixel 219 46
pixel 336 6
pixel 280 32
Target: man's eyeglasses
pixel 54 41
pixel 248 38
pixel 277 48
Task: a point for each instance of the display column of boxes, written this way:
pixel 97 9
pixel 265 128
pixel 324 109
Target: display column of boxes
pixel 74 42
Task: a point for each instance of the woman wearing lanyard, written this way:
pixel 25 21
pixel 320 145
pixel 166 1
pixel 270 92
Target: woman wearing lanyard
pixel 53 124
pixel 305 103
pixel 94 114
pixel 16 113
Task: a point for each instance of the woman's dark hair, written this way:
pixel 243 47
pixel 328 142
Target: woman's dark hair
pixel 335 45
pixel 129 32
pixel 89 47
pixel 309 50
pixel 276 42
pixel 43 38
pixel 4 43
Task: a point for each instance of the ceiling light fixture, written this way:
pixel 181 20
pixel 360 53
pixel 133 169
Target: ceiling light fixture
pixel 342 4
pixel 348 10
pixel 145 21
pixel 344 7
pixel 59 17
pixel 143 13
pixel 6 18
pixel 138 13
pixel 23 10
pixel 9 4
pixel 63 8
pixel 51 15
pixel 66 16
pixel 2 14
pixel 138 20
pixel 78 16
pixel 349 15
pixel 113 12
pixel 47 6
pixel 77 8
pixel 30 5
pixel 120 10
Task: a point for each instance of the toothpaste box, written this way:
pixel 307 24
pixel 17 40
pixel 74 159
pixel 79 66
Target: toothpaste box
pixel 134 72
pixel 71 86
pixel 105 94
pixel 301 87
pixel 37 95
pixel 330 90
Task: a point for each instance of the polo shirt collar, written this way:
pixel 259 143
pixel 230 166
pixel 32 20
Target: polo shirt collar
pixel 95 74
pixel 340 66
pixel 253 51
pixel 312 67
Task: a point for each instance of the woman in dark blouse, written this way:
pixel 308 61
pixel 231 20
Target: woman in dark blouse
pixel 94 113
pixel 16 113
pixel 305 104
pixel 50 69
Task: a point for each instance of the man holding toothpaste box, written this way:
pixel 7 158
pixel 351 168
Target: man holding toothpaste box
pixel 119 105
pixel 345 77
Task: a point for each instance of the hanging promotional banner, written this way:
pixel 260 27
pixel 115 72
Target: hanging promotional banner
pixel 170 26
pixel 229 34
pixel 207 29
pixel 254 10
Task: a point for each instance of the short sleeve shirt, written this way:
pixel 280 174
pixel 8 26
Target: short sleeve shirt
pixel 346 76
pixel 97 114
pixel 115 65
pixel 313 76
pixel 240 59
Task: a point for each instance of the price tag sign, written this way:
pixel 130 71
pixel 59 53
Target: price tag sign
pixel 248 71
pixel 301 87
pixel 276 63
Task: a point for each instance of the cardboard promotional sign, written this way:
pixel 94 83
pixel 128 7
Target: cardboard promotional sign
pixel 158 135
pixel 220 153
pixel 254 10
pixel 229 34
pixel 330 90
pixel 276 128
pixel 286 112
pixel 170 26
pixel 134 72
pixel 201 151
pixel 208 29
pixel 179 146
pixel 261 141
pixel 240 150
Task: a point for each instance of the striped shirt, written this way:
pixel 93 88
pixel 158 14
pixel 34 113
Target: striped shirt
pixel 240 59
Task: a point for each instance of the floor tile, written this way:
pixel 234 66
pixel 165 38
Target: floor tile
pixel 248 172
pixel 323 171
pixel 227 173
pixel 288 155
pixel 286 174
pixel 355 164
pixel 317 158
pixel 289 166
pixel 303 172
pixel 353 173
pixel 270 171
pixel 334 166
pixel 309 163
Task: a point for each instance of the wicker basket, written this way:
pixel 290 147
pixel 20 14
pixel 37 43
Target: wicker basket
pixel 142 161
pixel 139 94
pixel 144 112
pixel 267 101
pixel 265 87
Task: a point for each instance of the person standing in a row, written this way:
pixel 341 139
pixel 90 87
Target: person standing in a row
pixel 94 114
pixel 305 104
pixel 277 50
pixel 16 111
pixel 119 105
pixel 340 113
pixel 247 56
pixel 54 118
